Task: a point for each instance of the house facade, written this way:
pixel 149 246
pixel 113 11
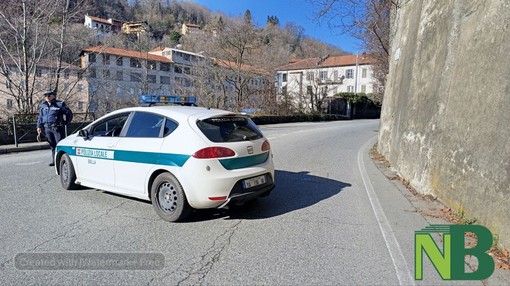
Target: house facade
pixel 324 77
pixel 103 27
pixel 72 87
pixel 117 77
pixel 189 29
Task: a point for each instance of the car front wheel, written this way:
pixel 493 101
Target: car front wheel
pixel 168 198
pixel 67 173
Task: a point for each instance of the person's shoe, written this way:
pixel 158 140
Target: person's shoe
pixel 51 164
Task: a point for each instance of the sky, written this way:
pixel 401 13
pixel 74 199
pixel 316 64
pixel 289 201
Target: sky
pixel 299 12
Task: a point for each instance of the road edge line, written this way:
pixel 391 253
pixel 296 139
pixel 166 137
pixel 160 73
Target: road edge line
pixel 403 273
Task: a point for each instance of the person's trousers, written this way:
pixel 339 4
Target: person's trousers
pixel 53 135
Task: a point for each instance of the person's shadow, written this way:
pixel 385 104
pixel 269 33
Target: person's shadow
pixel 293 191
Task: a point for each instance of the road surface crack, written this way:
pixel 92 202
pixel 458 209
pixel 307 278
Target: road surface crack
pixel 197 271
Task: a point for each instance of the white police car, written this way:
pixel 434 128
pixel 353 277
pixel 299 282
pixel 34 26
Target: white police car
pixel 178 157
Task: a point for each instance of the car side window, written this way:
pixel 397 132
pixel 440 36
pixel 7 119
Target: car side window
pixel 111 126
pixel 169 127
pixel 145 124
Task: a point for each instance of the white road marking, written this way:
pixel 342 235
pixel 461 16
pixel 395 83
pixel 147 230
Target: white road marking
pixel 28 164
pixel 403 274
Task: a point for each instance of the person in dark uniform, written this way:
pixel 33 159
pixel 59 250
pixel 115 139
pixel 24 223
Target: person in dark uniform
pixel 53 116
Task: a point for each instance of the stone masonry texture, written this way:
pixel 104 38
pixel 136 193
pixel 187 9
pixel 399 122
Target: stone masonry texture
pixel 445 121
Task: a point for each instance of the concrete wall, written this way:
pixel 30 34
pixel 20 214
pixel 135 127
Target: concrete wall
pixel 445 122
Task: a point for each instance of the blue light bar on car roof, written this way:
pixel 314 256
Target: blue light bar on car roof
pixel 150 99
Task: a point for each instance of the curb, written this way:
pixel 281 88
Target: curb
pixel 13 149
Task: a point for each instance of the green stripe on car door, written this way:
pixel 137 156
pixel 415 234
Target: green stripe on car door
pixel 130 156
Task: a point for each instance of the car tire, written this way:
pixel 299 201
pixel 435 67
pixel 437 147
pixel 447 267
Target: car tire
pixel 67 173
pixel 168 198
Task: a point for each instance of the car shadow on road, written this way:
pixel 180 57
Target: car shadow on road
pixel 293 191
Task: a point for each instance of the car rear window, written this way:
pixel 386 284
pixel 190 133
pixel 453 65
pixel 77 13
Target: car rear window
pixel 229 129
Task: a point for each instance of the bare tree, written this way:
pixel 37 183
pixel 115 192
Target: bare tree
pixel 367 20
pixel 235 50
pixel 28 33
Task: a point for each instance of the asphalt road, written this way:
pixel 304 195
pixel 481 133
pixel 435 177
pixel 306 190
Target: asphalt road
pixel 324 223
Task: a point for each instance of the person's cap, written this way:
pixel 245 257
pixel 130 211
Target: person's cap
pixel 49 92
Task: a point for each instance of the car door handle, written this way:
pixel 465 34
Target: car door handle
pixel 110 145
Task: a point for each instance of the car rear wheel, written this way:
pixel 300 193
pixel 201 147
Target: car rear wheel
pixel 168 198
pixel 67 173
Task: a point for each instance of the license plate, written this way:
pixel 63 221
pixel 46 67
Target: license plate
pixel 253 182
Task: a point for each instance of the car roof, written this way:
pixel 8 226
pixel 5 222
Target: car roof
pixel 181 112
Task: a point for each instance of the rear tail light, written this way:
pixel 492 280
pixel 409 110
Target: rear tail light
pixel 266 146
pixel 213 152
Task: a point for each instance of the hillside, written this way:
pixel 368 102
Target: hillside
pixel 271 45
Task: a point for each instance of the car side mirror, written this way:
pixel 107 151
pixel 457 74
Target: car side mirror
pixel 83 133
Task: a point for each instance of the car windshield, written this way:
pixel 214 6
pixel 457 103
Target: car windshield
pixel 229 129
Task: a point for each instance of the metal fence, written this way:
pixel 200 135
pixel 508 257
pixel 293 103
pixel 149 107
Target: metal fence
pixel 22 128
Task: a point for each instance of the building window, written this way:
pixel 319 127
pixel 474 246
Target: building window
pixel 309 90
pixel 164 67
pixel 151 65
pixel 66 74
pixel 187 70
pixel 79 75
pixel 335 75
pixel 323 75
pixel 350 88
pixel 9 103
pixel 106 74
pixel 8 83
pixel 79 87
pixel 164 79
pixel 80 105
pixel 134 63
pixel 136 77
pixel 151 78
pixel 92 73
pixel 106 59
pixel 119 90
pixel 324 91
pixel 364 73
pixel 349 73
pixel 66 86
pixel 119 75
pixel 92 58
pixel 177 69
pixel 284 77
pixel 38 72
pixel 120 61
pixel 363 88
pixel 184 82
pixel 309 76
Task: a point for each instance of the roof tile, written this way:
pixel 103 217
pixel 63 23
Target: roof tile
pixel 332 61
pixel 127 53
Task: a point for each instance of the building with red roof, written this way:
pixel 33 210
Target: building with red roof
pixel 325 76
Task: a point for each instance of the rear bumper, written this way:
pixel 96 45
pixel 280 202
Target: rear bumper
pixel 239 196
pixel 208 184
